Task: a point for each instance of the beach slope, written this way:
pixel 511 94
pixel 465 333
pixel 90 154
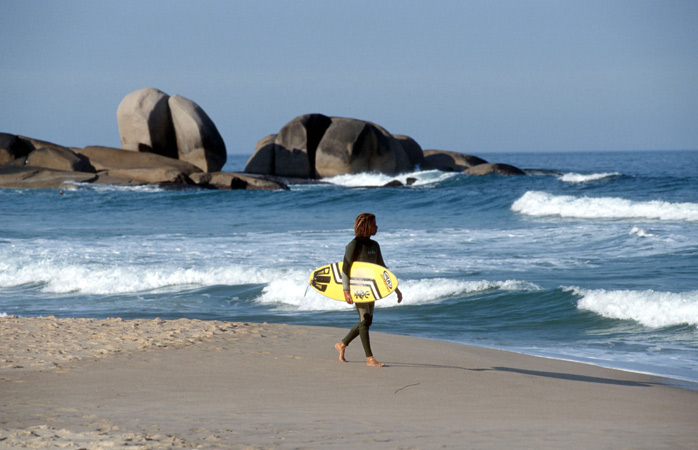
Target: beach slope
pixel 88 383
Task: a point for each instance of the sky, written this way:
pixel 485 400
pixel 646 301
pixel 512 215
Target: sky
pixel 469 76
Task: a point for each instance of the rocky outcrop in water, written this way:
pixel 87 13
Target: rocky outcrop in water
pixel 315 146
pixel 318 146
pixel 27 163
pixel 170 141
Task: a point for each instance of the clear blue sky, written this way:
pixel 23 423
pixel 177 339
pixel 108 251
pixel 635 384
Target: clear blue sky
pixel 470 76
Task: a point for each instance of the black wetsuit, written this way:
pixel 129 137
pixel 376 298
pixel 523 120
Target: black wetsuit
pixel 365 250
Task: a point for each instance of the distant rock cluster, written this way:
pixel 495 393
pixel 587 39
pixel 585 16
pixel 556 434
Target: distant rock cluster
pixel 317 146
pixel 27 163
pixel 170 141
pixel 166 141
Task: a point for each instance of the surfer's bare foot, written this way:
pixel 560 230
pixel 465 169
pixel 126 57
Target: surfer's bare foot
pixel 340 348
pixel 371 362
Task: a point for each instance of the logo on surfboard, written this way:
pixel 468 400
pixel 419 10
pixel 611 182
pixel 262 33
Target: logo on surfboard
pixel 388 283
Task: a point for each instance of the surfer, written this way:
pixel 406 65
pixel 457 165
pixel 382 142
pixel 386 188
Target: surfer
pixel 362 248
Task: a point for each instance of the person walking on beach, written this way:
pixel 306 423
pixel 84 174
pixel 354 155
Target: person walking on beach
pixel 362 248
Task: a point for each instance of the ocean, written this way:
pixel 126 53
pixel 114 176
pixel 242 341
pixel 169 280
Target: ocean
pixel 593 257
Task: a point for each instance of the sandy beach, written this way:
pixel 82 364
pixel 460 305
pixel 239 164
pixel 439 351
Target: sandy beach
pixel 151 384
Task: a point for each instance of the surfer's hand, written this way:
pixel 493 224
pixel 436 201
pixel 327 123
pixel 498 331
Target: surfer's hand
pixel 399 295
pixel 347 297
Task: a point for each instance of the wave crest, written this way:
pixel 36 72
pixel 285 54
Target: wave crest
pixel 535 203
pixel 582 178
pixel 650 308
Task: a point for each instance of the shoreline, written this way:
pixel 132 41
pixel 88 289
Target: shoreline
pixel 199 384
pixel 670 380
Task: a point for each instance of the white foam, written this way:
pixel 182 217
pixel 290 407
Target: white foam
pixel 650 308
pixel 639 232
pixel 114 279
pixel 585 178
pixel 289 291
pixel 535 203
pixel 148 188
pixel 377 179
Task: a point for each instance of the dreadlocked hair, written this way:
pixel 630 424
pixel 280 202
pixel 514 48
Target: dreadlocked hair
pixel 363 223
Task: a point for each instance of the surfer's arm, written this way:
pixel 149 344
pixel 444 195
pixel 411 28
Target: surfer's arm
pixel 346 266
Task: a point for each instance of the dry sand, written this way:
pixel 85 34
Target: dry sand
pixel 87 383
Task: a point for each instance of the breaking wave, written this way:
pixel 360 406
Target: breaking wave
pixel 648 307
pixel 538 204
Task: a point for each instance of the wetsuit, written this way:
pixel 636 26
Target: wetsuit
pixel 365 250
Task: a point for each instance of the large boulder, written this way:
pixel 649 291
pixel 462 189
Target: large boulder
pixel 59 159
pixel 295 146
pixel 317 146
pixel 151 121
pixel 447 161
pixel 353 146
pixel 198 139
pixel 145 123
pixel 496 168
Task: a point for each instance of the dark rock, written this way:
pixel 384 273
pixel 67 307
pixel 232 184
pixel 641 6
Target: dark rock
pixel 500 169
pixel 354 146
pixel 394 183
pixel 447 161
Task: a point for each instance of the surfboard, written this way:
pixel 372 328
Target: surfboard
pixel 368 282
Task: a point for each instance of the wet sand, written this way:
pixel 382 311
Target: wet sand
pixel 155 384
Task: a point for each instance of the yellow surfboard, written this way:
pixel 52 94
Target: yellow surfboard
pixel 368 282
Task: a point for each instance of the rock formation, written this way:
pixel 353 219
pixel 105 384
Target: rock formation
pixel 317 146
pixel 153 122
pixel 448 161
pixel 497 168
pixel 28 163
pixel 170 141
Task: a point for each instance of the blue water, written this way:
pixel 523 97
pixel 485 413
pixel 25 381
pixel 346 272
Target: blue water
pixel 593 257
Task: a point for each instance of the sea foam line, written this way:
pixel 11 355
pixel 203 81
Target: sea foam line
pixel 369 179
pixel 536 203
pixel 650 308
pixel 582 178
pixel 290 291
pixel 116 279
